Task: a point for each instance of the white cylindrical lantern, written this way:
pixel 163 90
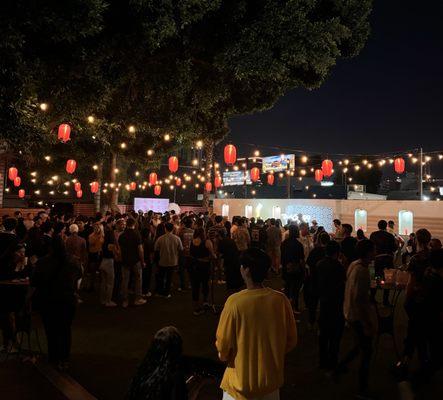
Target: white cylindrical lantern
pixel 361 219
pixel 225 210
pixel 276 212
pixel 405 222
pixel 248 211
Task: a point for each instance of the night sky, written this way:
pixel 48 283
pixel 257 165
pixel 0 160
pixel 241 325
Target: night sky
pixel 388 98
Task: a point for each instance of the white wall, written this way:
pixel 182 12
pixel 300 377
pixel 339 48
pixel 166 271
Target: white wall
pixel 427 214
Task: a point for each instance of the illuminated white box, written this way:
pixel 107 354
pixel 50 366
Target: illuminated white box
pixel 258 209
pixel 225 210
pixel 405 222
pixel 361 219
pixel 248 211
pixel 276 212
pixel 155 204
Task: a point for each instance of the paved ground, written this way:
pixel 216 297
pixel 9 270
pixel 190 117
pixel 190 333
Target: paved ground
pixel 22 381
pixel 108 344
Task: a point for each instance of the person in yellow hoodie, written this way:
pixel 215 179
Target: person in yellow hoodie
pixel 256 329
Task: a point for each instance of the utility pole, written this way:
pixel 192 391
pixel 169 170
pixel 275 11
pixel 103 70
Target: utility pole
pixel 421 174
pixel 288 184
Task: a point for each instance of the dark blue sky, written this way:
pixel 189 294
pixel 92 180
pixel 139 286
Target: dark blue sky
pixel 388 98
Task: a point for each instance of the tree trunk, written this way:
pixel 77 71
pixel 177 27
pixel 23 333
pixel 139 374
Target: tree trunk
pixel 2 178
pixel 208 147
pixel 98 195
pixel 113 187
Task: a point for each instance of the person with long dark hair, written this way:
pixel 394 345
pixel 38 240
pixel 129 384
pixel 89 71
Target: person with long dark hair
pixel 161 373
pixel 202 251
pixel 293 265
pixel 55 282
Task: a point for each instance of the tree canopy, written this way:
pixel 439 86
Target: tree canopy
pixel 183 67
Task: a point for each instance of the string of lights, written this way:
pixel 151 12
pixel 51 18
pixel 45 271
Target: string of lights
pixel 331 164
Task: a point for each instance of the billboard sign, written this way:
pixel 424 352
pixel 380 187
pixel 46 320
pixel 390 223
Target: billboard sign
pixel 236 178
pixel 278 163
pixel 155 204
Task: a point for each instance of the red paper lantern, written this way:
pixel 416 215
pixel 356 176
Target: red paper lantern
pixel 178 182
pixel 94 187
pixel 79 194
pixel 208 186
pixel 399 165
pixel 12 173
pixel 152 178
pixel 17 181
pixel 21 193
pixel 326 167
pixel 157 190
pixel 318 175
pixel 173 164
pixel 218 181
pixel 271 179
pixel 230 154
pixel 71 165
pixel 77 186
pixel 133 185
pixel 255 174
pixel 64 133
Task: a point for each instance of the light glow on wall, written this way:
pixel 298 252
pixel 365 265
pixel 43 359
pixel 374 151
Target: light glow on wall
pixel 361 219
pixel 405 222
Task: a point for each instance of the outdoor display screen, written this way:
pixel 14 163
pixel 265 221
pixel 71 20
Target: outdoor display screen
pixel 235 178
pixel 278 163
pixel 155 204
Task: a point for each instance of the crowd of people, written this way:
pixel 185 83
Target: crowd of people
pixel 127 258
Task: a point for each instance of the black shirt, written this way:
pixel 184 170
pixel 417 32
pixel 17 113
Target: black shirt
pixel 292 252
pixel 433 298
pixel 258 237
pixel 231 256
pixel 35 242
pixel 384 242
pixel 55 280
pixel 315 255
pixel 109 240
pixel 8 243
pixel 129 241
pixel 331 278
pixel 348 248
pixel 46 245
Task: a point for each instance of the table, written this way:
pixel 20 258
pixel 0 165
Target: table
pixel 13 297
pixel 15 282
